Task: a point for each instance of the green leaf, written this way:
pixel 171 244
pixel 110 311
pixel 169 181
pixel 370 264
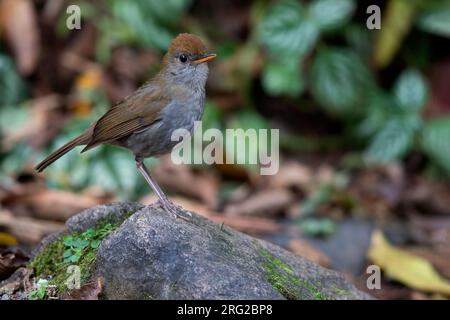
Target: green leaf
pixel 317 227
pixel 286 29
pixel 392 142
pixel 12 88
pixel 122 168
pixel 15 159
pixel 84 243
pixel 380 109
pixel 212 116
pixel 340 81
pixel 77 243
pixel 165 12
pixel 331 14
pixel 67 253
pixel 95 244
pixel 411 90
pixel 436 21
pixel 89 233
pixel 104 177
pixel 14 117
pixel 80 243
pixel 74 258
pixel 361 40
pixel 435 142
pixel 283 78
pixel 145 22
pixel 68 241
pixel 40 292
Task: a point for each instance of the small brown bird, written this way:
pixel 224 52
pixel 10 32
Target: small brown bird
pixel 144 121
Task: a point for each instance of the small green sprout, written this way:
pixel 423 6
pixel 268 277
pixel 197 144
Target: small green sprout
pixel 75 246
pixel 40 293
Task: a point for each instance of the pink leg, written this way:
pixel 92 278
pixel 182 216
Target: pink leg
pixel 163 199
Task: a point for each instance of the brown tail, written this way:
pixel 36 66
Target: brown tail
pixel 55 155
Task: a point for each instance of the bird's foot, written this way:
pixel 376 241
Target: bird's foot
pixel 174 210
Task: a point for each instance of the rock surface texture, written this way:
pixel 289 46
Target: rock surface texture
pixel 153 255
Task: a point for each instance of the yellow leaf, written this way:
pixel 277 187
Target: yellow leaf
pixel 7 239
pixel 81 107
pixel 88 80
pixel 411 270
pixel 395 26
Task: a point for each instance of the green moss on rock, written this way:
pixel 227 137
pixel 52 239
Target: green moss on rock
pixel 51 264
pixel 282 277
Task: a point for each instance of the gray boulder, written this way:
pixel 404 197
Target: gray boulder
pixel 152 255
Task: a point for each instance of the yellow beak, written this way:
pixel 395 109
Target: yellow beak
pixel 205 57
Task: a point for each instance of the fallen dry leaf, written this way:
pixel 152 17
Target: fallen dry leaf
pixel 379 190
pixel 27 229
pixel 292 174
pixel 19 24
pixel 239 194
pixel 90 79
pixel 88 291
pixel 430 196
pixel 51 11
pixel 440 260
pixel 10 261
pixel 202 186
pixel 56 205
pixel 409 269
pixel 7 240
pixel 263 203
pixel 18 285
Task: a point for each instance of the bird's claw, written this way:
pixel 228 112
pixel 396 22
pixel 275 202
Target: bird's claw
pixel 174 210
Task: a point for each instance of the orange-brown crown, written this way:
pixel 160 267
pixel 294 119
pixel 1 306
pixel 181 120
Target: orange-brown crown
pixel 188 43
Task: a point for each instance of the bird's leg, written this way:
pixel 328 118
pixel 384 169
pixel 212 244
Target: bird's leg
pixel 163 199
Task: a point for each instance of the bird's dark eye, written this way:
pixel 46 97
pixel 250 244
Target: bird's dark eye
pixel 183 58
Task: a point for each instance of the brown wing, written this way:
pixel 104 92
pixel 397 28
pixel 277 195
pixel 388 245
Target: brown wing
pixel 135 112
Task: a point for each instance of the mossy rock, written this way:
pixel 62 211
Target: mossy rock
pixel 152 255
pixel 49 261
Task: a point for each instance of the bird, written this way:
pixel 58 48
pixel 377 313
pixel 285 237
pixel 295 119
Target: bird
pixel 143 122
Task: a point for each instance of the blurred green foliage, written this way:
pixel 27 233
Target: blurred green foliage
pixel 341 80
pixel 317 53
pixel 435 17
pixel 13 114
pixel 12 87
pixel 393 124
pixel 290 30
pixel 141 22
